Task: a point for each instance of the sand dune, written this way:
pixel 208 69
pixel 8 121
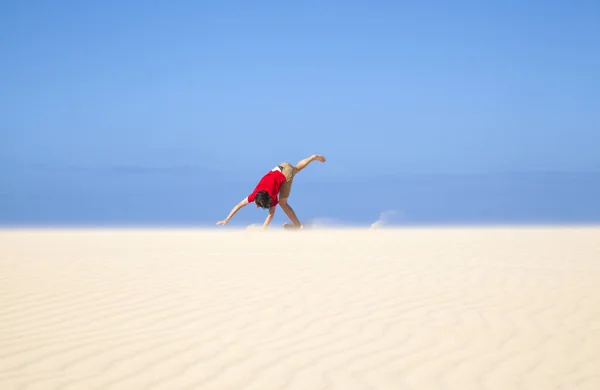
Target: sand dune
pixel 351 309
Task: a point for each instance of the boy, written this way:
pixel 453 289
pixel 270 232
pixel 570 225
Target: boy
pixel 274 188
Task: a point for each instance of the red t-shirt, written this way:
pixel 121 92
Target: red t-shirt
pixel 271 182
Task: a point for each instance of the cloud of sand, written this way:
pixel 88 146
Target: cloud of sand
pixel 386 218
pixel 325 223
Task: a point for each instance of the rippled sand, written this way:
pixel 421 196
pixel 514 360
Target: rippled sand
pixel 324 309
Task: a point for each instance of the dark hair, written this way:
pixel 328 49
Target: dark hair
pixel 263 199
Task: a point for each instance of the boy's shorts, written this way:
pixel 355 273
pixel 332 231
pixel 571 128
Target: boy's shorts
pixel 289 171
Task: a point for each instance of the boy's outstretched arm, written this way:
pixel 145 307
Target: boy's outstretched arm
pixel 237 207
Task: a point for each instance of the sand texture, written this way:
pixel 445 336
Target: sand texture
pixel 455 308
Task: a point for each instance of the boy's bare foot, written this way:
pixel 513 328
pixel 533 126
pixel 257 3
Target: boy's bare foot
pixel 292 226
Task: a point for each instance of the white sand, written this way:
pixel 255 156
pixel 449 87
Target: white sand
pixel 388 309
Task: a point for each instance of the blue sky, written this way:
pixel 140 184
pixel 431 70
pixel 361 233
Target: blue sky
pixel 232 88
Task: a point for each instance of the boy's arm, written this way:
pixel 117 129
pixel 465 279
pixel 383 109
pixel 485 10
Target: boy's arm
pixel 269 217
pixel 238 206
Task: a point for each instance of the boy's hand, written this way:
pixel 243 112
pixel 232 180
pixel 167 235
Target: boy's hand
pixel 224 222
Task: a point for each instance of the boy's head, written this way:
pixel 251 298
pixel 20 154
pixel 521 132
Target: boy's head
pixel 263 200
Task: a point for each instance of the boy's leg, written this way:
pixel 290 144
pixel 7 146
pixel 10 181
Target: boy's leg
pixel 303 163
pixel 290 172
pixel 287 187
pixel 289 211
